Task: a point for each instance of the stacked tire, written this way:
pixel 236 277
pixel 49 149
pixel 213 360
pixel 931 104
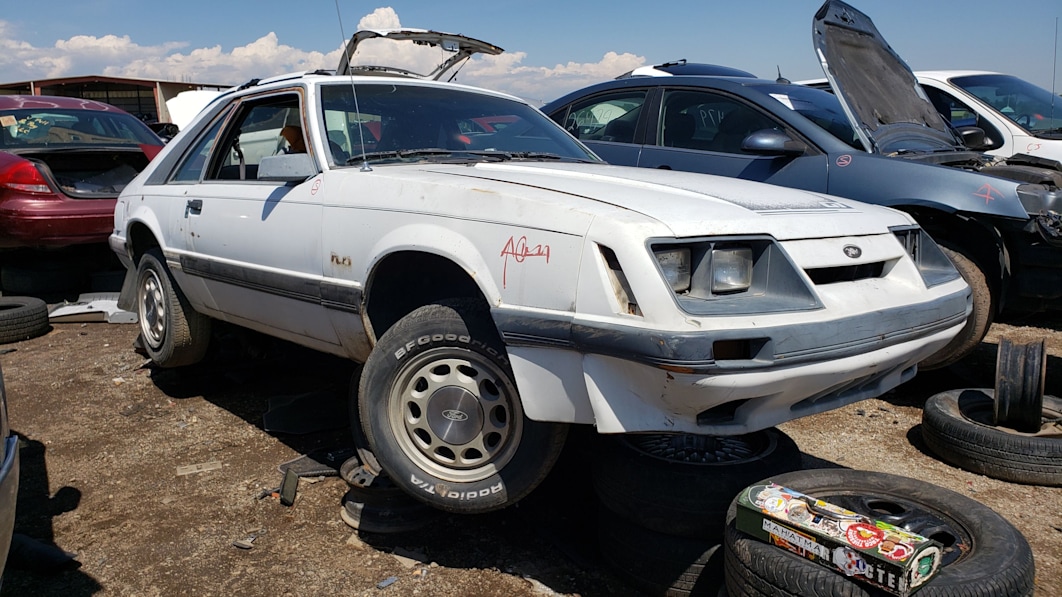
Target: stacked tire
pixel 983 554
pixel 664 500
pixel 380 507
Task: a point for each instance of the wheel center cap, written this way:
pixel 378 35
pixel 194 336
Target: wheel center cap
pixel 454 415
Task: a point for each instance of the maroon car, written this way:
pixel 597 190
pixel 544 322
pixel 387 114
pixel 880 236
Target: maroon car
pixel 63 161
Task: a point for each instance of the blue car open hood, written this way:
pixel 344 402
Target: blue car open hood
pixel 877 90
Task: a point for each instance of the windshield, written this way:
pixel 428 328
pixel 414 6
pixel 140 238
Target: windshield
pixel 820 107
pixel 53 127
pixel 1034 109
pixel 391 122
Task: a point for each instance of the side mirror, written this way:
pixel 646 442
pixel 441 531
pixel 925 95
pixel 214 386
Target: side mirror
pixel 287 167
pixel 772 142
pixel 972 136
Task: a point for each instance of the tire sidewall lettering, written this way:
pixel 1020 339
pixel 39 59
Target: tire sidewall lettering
pixel 425 341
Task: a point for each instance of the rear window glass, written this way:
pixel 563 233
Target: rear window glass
pixel 56 127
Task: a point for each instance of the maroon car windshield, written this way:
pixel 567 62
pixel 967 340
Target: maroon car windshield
pixel 55 127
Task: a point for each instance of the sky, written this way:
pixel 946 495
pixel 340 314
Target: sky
pixel 552 47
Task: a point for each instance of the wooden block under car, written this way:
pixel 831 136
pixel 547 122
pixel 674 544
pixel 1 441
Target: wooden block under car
pixel 871 551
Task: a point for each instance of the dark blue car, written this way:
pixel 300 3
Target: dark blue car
pixel 998 220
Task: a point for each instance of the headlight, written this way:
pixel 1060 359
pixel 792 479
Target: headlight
pixel 732 275
pixel 731 270
pixel 933 265
pixel 675 263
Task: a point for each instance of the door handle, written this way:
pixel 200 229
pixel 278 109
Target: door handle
pixel 195 205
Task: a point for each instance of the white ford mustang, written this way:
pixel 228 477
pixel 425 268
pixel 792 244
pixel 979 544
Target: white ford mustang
pixel 498 281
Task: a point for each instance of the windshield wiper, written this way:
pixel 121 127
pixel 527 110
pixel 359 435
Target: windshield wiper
pixel 544 155
pixel 428 152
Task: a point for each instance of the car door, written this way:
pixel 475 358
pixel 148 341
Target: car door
pixel 699 130
pixel 608 122
pixel 256 244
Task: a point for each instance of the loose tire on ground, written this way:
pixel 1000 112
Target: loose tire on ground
pixel 977 323
pixel 682 484
pixel 984 555
pixel 1021 371
pixel 442 414
pixel 660 564
pixel 957 426
pixel 173 333
pixel 385 509
pixel 22 318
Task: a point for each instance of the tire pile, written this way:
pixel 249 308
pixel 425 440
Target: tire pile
pixel 667 508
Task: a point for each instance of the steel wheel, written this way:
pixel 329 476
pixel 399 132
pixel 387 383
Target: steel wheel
pixel 983 554
pixel 174 334
pixel 1021 371
pixel 151 309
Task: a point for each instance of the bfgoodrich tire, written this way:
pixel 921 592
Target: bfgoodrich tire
pixel 173 333
pixel 682 484
pixel 22 318
pixel 957 426
pixel 984 555
pixel 443 417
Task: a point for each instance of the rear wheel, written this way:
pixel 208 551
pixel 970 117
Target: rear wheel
pixel 173 334
pixel 443 417
pixel 977 323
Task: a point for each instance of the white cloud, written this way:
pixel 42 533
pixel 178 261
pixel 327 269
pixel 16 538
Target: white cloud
pixel 112 55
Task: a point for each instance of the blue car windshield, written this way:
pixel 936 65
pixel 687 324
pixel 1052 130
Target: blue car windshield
pixel 820 107
pixel 1034 109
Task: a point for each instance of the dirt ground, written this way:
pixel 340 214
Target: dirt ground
pixel 105 437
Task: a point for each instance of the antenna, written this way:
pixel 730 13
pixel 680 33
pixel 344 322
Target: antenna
pixel 1054 71
pixel 357 110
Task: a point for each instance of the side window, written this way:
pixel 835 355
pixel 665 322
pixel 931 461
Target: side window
pixel 262 128
pixel 191 169
pixel 609 117
pixel 707 122
pixel 959 114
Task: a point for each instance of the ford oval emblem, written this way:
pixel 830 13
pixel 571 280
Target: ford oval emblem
pixel 852 251
pixel 454 415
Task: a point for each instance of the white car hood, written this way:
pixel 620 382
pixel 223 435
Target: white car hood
pixel 695 204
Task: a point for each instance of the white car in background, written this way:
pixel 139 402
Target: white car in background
pixel 499 281
pixel 1016 116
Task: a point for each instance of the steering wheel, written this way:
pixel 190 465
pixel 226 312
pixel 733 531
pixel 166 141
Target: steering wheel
pixel 1027 118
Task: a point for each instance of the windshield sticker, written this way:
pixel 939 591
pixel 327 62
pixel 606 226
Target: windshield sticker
pixel 519 250
pixel 8 121
pixel 844 160
pixel 988 193
pixel 784 99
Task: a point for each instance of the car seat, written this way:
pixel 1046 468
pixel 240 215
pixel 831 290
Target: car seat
pixel 678 129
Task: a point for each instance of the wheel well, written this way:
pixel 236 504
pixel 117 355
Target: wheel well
pixel 141 240
pixel 976 239
pixel 407 280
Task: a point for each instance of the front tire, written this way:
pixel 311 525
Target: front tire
pixel 977 324
pixel 173 333
pixel 442 414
